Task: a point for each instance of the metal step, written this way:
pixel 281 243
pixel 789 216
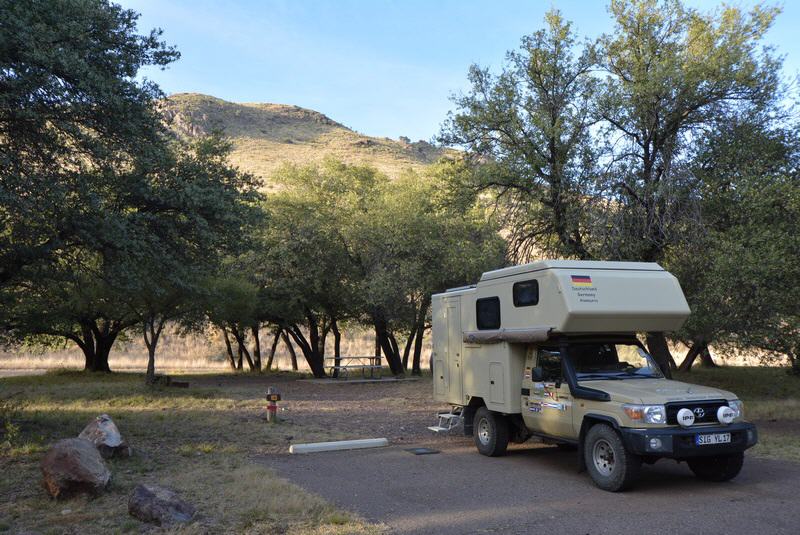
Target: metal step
pixel 447 420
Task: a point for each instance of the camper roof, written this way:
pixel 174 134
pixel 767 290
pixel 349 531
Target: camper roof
pixel 541 265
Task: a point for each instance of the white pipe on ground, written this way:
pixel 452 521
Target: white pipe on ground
pixel 315 447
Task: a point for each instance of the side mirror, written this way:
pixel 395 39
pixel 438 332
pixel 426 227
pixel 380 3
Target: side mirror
pixel 537 374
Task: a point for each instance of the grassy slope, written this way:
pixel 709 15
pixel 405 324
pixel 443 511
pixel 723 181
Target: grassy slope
pixel 266 136
pixel 201 441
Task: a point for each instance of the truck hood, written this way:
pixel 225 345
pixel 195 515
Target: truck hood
pixel 656 391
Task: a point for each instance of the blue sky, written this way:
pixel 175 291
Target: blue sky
pixel 381 67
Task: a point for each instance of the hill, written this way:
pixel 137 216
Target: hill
pixel 265 136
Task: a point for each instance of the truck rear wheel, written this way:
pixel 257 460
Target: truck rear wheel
pixel 610 465
pixel 718 467
pixel 490 431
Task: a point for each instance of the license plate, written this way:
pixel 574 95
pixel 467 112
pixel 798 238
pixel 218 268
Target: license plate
pixel 716 438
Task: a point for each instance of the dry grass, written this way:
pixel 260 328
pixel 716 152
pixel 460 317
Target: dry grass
pixel 266 136
pixel 201 441
pixel 193 353
pixel 771 400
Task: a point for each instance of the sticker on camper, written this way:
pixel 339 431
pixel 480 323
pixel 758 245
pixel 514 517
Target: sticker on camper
pixel 538 388
pixel 583 281
pixel 527 374
pixel 552 394
pixel 557 406
pixel 535 407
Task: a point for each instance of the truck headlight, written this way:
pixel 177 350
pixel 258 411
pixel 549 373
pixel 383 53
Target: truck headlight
pixel 649 414
pixel 738 409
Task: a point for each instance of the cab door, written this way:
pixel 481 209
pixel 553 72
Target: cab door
pixel 549 403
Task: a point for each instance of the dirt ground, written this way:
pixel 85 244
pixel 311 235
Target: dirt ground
pixel 400 411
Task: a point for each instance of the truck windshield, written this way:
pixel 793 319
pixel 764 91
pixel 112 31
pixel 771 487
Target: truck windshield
pixel 611 360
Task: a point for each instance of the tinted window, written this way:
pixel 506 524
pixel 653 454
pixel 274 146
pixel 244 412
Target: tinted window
pixel 550 362
pixel 526 293
pixel 487 311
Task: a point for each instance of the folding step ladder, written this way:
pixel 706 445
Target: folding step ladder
pixel 447 420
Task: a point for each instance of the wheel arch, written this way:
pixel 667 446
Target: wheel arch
pixel 589 420
pixel 468 413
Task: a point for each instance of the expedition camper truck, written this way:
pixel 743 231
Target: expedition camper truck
pixel 550 349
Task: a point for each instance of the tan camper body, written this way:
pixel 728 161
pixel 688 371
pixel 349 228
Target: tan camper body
pixel 574 297
pixel 550 350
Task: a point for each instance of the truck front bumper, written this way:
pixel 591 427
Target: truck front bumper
pixel 680 443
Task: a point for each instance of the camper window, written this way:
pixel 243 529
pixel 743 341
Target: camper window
pixel 526 293
pixel 487 312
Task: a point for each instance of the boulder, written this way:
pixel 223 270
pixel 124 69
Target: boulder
pixel 73 466
pixel 103 433
pixel 158 505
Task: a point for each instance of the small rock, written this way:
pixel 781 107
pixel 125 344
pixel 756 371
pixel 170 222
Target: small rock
pixel 72 466
pixel 66 511
pixel 103 433
pixel 159 506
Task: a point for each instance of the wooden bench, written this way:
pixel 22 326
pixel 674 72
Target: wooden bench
pixel 370 366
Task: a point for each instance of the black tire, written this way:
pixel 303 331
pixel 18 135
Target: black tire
pixel 610 465
pixel 717 468
pixel 490 431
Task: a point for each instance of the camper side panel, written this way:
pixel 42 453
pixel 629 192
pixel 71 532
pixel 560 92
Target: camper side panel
pixel 439 354
pixel 493 372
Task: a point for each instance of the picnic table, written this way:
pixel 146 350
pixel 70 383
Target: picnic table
pixel 370 366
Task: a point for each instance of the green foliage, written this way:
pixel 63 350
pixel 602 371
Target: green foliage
pixel 529 128
pixel 346 243
pixel 106 220
pixel 70 109
pixel 673 73
pixel 681 154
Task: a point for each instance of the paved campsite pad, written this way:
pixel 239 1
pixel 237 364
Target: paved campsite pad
pixel 536 488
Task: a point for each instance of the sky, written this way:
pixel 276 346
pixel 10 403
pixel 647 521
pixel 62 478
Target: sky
pixel 385 68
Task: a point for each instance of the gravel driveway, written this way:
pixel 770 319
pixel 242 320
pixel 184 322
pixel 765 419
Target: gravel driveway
pixel 536 489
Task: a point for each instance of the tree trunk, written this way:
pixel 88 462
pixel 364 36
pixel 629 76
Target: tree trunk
pixel 292 352
pixel 697 347
pixel 256 348
pixel 241 342
pixel 151 330
pixel 307 346
pixel 658 348
pixel 377 343
pixel 337 347
pixel 96 343
pixel 231 358
pixel 705 358
pixel 275 340
pixel 409 342
pixel 416 368
pixel 388 345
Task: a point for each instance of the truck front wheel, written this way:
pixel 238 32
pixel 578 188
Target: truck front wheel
pixel 490 431
pixel 610 465
pixel 718 467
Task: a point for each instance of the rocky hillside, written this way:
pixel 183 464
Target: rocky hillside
pixel 267 135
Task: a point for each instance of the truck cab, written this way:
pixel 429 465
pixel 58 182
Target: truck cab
pixel 550 349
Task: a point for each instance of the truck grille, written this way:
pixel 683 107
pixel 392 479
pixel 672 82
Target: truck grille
pixel 704 411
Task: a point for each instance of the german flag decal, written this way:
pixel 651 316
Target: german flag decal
pixel 581 280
